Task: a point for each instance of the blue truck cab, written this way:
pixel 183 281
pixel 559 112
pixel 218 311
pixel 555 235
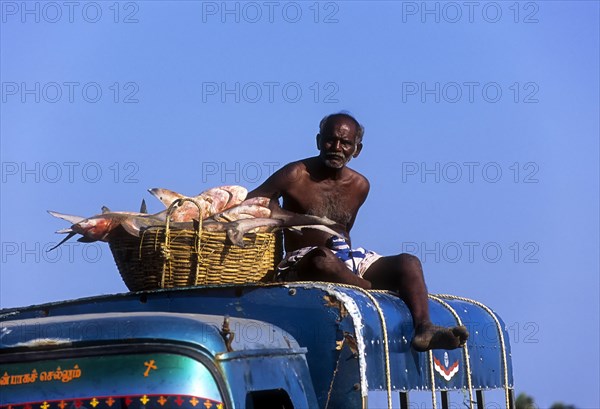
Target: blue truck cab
pixel 293 345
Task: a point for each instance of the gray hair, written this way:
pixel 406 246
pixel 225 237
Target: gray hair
pixel 360 129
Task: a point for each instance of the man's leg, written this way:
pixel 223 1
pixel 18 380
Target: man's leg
pixel 403 273
pixel 320 264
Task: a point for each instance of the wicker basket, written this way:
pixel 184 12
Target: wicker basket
pixel 166 257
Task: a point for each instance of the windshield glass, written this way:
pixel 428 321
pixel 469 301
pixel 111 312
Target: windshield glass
pixel 150 380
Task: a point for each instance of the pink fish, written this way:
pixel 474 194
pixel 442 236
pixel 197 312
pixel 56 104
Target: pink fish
pixel 258 201
pixel 218 199
pixel 187 211
pixel 224 197
pixel 211 201
pixel 238 194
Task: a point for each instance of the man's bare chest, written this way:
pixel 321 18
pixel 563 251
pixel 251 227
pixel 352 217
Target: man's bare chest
pixel 339 204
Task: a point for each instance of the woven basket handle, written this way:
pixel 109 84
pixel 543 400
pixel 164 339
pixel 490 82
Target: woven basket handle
pixel 178 203
pixel 167 260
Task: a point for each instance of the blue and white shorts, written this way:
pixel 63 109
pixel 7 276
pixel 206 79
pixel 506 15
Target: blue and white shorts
pixel 357 260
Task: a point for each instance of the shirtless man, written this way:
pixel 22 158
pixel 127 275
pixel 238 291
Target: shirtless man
pixel 324 186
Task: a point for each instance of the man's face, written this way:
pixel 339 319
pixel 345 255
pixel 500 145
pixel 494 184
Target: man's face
pixel 337 143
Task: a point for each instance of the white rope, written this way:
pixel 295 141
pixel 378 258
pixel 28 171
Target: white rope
pixel 500 336
pixel 465 347
pixel 386 350
pixel 432 377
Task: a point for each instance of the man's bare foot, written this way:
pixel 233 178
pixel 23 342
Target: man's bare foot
pixel 429 336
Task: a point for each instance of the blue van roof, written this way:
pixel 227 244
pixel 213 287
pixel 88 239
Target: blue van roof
pixel 199 330
pixel 357 340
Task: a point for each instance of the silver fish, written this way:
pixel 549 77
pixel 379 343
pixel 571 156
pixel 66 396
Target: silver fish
pixel 280 219
pixel 237 229
pixel 99 227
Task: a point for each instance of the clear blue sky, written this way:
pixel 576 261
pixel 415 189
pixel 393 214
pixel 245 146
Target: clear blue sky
pixel 481 143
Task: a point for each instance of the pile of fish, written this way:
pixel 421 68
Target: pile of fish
pixel 223 208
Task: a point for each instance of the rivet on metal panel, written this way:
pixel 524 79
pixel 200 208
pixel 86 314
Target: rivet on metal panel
pixel 406 370
pixel 227 334
pixel 356 386
pixel 292 291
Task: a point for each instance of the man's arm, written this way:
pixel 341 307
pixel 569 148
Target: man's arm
pixel 363 188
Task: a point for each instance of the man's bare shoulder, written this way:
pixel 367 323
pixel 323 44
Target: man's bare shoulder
pixel 281 181
pixel 359 180
pixel 296 166
pixel 292 172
